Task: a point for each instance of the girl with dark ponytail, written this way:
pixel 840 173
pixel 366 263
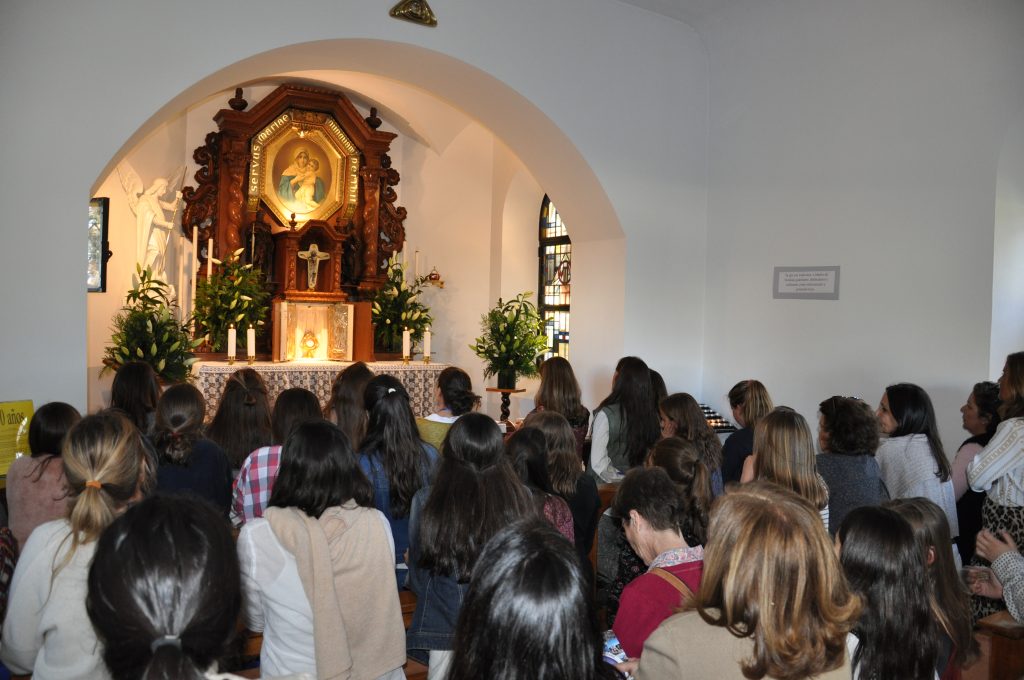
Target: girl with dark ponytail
pixel 164 590
pixel 394 459
pixel 188 462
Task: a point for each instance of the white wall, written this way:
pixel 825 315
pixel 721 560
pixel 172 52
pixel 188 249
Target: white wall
pixel 159 155
pixel 864 134
pixel 1007 272
pixel 606 105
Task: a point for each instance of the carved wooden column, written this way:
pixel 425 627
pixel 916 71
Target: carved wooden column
pixel 371 203
pixel 235 157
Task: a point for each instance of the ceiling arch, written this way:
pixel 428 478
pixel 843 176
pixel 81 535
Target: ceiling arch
pixel 541 145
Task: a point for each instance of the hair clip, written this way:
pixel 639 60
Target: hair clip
pixel 391 389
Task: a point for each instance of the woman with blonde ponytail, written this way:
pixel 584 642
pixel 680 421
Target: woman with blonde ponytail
pixel 47 632
pixel 750 401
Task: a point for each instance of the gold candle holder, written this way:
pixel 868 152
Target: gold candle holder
pixel 406 360
pixel 426 358
pixel 251 360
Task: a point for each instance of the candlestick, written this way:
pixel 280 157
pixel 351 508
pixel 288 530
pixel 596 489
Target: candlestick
pixel 209 259
pixel 179 292
pixel 250 344
pixel 232 341
pixel 426 346
pixel 194 273
pixel 416 265
pixel 406 345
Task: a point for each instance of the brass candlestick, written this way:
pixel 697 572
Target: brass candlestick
pixel 426 358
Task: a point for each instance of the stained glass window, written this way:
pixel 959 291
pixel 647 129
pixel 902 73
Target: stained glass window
pixel 555 276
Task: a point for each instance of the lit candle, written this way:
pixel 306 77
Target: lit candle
pixel 209 259
pixel 250 342
pixel 194 273
pixel 426 342
pixel 232 341
pixel 406 343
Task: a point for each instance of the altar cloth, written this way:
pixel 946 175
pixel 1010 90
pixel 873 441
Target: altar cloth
pixel 418 378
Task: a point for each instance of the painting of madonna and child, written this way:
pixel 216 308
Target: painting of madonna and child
pixel 302 174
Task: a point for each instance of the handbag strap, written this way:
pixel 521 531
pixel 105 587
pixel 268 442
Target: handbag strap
pixel 674 581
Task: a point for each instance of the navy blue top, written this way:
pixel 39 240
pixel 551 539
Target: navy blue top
pixel 206 474
pixel 373 468
pixel 737 447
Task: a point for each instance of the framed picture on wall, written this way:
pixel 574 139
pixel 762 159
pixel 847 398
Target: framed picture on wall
pixel 98 248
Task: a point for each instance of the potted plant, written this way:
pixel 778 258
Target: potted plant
pixel 145 330
pixel 396 306
pixel 234 294
pixel 513 337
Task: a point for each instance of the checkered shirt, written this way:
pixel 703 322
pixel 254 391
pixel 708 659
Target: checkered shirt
pixel 254 483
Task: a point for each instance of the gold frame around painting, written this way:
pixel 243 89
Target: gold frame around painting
pixel 303 164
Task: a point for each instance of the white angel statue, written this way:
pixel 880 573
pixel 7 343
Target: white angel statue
pixel 152 224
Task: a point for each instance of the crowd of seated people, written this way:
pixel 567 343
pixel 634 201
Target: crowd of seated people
pixel 143 539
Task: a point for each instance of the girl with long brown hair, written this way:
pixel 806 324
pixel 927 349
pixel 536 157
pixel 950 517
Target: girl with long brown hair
pixel 560 392
pixel 682 417
pixel 784 455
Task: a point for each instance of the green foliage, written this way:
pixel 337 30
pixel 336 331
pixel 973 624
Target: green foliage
pixel 145 330
pixel 513 337
pixel 235 294
pixel 396 306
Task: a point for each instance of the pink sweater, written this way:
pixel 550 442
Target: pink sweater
pixel 33 501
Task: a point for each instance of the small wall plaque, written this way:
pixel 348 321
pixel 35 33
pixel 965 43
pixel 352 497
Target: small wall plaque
pixel 806 283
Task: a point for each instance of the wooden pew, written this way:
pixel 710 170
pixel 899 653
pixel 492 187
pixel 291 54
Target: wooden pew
pixel 1006 660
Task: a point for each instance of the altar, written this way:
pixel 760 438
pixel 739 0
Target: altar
pixel 418 378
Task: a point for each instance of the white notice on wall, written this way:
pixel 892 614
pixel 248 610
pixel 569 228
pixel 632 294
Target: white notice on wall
pixel 806 283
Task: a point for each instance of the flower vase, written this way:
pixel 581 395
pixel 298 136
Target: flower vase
pixel 506 380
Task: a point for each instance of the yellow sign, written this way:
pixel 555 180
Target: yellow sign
pixel 14 417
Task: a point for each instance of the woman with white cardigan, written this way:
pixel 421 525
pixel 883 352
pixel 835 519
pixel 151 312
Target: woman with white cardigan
pixel 317 568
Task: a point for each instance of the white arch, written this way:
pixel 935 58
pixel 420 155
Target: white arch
pixel 542 146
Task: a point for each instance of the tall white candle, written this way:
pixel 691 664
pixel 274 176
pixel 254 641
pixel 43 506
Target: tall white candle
pixel 406 343
pixel 426 342
pixel 416 265
pixel 250 342
pixel 179 282
pixel 232 342
pixel 209 259
pixel 194 273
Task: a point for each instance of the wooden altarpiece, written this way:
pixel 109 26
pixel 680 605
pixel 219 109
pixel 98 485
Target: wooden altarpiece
pixel 301 167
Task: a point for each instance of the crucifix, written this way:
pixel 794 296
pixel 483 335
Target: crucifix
pixel 313 258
